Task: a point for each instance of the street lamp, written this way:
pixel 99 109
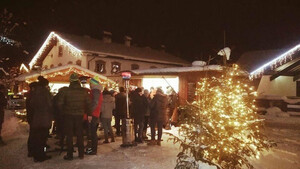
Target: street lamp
pixel 127 123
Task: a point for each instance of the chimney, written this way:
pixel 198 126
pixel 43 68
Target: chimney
pixel 107 37
pixel 127 41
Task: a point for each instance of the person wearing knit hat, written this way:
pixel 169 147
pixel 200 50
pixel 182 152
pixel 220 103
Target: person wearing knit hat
pixel 93 120
pixel 95 83
pixel 74 101
pixel 74 77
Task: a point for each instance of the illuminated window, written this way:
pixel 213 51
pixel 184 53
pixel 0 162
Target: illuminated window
pixel 59 64
pixel 78 62
pixel 100 66
pixel 70 62
pixel 51 66
pixel 60 51
pixel 135 66
pixel 153 67
pixel 115 67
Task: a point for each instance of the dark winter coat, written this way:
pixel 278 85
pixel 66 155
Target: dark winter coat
pixel 41 104
pixel 121 105
pixel 3 103
pixel 75 100
pixel 29 109
pixel 56 110
pixel 139 106
pixel 158 106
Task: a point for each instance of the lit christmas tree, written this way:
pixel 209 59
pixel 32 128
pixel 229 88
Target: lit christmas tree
pixel 222 127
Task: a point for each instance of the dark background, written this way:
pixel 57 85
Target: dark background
pixel 189 29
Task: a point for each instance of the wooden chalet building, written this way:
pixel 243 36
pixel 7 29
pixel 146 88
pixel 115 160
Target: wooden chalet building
pixel 90 57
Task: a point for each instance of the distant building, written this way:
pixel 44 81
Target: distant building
pixel 276 74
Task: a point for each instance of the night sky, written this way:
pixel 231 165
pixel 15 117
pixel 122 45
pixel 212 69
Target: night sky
pixel 189 29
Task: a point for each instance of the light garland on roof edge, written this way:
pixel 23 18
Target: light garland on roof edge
pixel 73 70
pixel 76 52
pixel 278 61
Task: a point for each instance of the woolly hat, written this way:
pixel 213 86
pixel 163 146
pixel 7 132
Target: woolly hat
pixel 95 80
pixel 95 83
pixel 43 81
pixel 74 77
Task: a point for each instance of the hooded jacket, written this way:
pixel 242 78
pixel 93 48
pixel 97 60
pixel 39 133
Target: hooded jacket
pixel 41 104
pixel 108 104
pixel 158 107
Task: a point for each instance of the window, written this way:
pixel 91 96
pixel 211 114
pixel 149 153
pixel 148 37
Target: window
pixel 51 66
pixel 51 55
pixel 78 62
pixel 135 66
pixel 100 66
pixel 153 67
pixel 60 51
pixel 70 62
pixel 45 67
pixel 115 67
pixel 59 64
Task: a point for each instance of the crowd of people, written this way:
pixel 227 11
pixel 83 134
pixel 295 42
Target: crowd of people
pixel 76 110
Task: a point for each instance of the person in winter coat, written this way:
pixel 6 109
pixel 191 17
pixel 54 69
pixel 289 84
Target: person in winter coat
pixel 59 117
pixel 158 112
pixel 147 114
pixel 121 108
pixel 74 102
pixel 41 104
pixel 97 98
pixel 172 104
pixel 108 104
pixel 139 108
pixel 29 116
pixel 3 103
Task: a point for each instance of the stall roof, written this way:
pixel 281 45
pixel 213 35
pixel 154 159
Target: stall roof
pixel 70 68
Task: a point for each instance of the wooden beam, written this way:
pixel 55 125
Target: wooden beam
pixel 284 71
pixel 296 76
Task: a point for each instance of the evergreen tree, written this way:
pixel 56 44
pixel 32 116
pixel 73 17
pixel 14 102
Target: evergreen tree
pixel 221 127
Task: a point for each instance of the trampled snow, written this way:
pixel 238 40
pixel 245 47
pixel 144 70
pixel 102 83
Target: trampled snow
pixel 285 131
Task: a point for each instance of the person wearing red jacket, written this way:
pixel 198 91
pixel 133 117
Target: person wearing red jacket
pixel 93 120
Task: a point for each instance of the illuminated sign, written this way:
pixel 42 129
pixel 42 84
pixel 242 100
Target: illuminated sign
pixel 126 75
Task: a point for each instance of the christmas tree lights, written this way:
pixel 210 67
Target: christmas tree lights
pixel 221 127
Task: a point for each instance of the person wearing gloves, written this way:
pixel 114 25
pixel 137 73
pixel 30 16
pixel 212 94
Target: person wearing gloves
pixel 97 98
pixel 74 102
pixel 107 107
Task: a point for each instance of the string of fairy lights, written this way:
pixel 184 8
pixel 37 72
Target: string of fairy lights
pixel 106 83
pixel 53 36
pixel 222 124
pixel 278 61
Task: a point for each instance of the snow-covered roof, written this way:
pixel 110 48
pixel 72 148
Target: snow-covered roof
pixel 178 69
pixel 80 44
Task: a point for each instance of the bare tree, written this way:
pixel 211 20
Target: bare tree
pixel 7 28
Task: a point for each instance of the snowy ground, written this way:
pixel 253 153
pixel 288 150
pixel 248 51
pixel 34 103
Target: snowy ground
pixel 285 131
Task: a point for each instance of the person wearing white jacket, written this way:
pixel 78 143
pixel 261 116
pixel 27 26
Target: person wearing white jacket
pixel 108 104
